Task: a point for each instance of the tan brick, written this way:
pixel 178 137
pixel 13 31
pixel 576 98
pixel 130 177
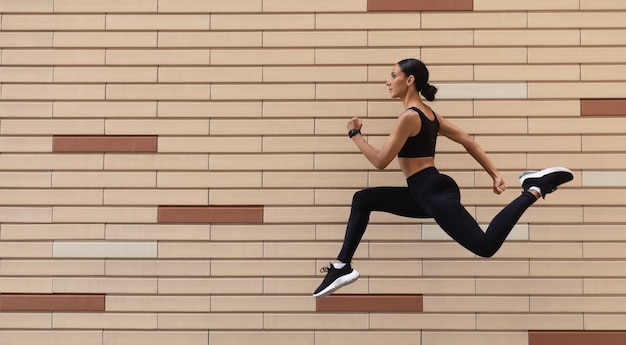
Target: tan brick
pixel 25 40
pixel 437 74
pixel 261 197
pixel 211 74
pixel 25 249
pixel 609 72
pixel 574 268
pixel 579 19
pixel 223 321
pixel 210 250
pixel 262 57
pixel 350 91
pixel 379 21
pixel 473 20
pixel 262 304
pixel 105 39
pixel 157 92
pixel 527 72
pixel 97 6
pixel 211 144
pixel 105 285
pixel 576 304
pixel 104 320
pixel 329 321
pixel 418 250
pixel 52 231
pixel 105 109
pixel 364 56
pixel 52 92
pixel 606 322
pixel 156 162
pixel 160 268
pixel 476 55
pixel 318 6
pixel 158 304
pixel 514 268
pixel 156 338
pixel 25 321
pixel 455 304
pixel 529 321
pixel 315 74
pixel 262 232
pixel 474 338
pixel 422 284
pixel 315 39
pixel 26 109
pixel 209 179
pixel 111 179
pixel 401 232
pixel 293 21
pixel 58 57
pixel 262 92
pixel 105 74
pixel 262 127
pixel 261 162
pixel 263 338
pixel 56 126
pixel 188 21
pixel 25 214
pixel 52 267
pixel 430 38
pixel 52 22
pixel 304 214
pixel 190 285
pixel 155 197
pixel 529 286
pixel 210 39
pixel 56 337
pixel 27 6
pixel 26 74
pixel 25 179
pixel 578 232
pixel 157 57
pixel 159 127
pixel 582 160
pixel 50 197
pixel 209 109
pixel 434 321
pixel 25 144
pixel 317 109
pixel 195 6
pixel 78 214
pixel 26 285
pixel 370 337
pixel 532 5
pixel 305 250
pixel 530 108
pixel 314 180
pixel 157 232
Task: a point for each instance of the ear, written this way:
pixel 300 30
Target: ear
pixel 410 80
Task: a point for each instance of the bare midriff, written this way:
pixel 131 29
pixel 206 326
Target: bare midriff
pixel 411 166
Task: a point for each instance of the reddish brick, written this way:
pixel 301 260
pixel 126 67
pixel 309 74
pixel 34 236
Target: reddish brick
pixel 603 107
pixel 51 302
pixel 420 5
pixel 210 214
pixel 104 144
pixel 576 337
pixel 370 303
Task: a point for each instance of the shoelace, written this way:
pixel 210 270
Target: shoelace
pixel 324 269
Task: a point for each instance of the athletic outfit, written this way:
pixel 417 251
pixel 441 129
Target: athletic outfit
pixel 430 194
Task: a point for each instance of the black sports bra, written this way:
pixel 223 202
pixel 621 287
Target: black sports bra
pixel 423 143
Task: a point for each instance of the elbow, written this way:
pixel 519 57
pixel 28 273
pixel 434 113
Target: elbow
pixel 380 164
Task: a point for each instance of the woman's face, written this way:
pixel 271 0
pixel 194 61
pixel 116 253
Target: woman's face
pixel 398 83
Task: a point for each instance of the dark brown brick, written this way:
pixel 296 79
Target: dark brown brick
pixel 210 214
pixel 420 5
pixel 370 303
pixel 104 144
pixel 51 302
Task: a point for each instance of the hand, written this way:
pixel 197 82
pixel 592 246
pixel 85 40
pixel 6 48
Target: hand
pixel 499 185
pixel 354 123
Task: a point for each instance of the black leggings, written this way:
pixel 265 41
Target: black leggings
pixel 431 194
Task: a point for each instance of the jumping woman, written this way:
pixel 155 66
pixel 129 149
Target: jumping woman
pixel 429 193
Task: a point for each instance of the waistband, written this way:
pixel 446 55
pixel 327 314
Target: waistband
pixel 422 174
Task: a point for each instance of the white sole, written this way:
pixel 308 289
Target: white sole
pixel 539 174
pixel 338 283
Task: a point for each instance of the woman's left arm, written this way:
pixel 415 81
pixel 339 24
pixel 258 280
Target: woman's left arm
pixel 458 135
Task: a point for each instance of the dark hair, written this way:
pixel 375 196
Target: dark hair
pixel 418 70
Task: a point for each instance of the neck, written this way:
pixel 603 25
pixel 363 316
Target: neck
pixel 412 99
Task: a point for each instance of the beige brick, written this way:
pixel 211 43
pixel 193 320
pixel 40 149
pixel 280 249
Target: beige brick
pixel 400 232
pixel 57 57
pixel 188 21
pixel 263 22
pixel 576 304
pixel 157 232
pixel 156 338
pixel 262 304
pixel 314 180
pixel 26 74
pixel 25 249
pixel 578 232
pixel 27 6
pixel 418 250
pixel 25 321
pixel 190 285
pixel 541 250
pixel 529 286
pixel 474 338
pixel 56 337
pixel 576 55
pixel 305 250
pixel 433 232
pixel 97 6
pixel 250 268
pixel 25 214
pixel 478 55
pixel 263 92
pixel 262 127
pixel 456 304
pixel 350 91
pixel 370 337
pixel 529 321
pixel 50 161
pixel 155 197
pixel 538 214
pixel 305 214
pixel 473 20
pixel 56 126
pixel 157 57
pixel 26 109
pixel 453 108
pixel 261 197
pixel 222 321
pixel 52 92
pixel 527 37
pixel 609 72
pixel 105 74
pixel 315 74
pixel 533 143
pixel 211 144
pixel 100 249
pixel 318 6
pixel 209 179
pixel 210 74
pixel 479 267
pixel 574 268
pixel 105 109
pixel 527 73
pixel 315 39
pixel 52 22
pixel 105 285
pixel 52 267
pixel 333 196
pixel 159 127
pixel 329 321
pixel 305 286
pixel 610 37
pixel 438 321
pixel 607 322
pixel 160 268
pixel 437 74
pixel 364 56
pixel 23 179
pixel 26 144
pixel 262 57
pixel 583 160
pixel 78 214
pixel 195 6
pixel 104 320
pixel 26 285
pixel 210 250
pixel 263 338
pixel 430 38
pixel 317 109
pixel 156 162
pixel 52 232
pixel 261 162
pixel 105 39
pixel 598 250
pixel 532 5
pixel 112 179
pixel 158 304
pixel 370 21
pixel 582 19
pixel 209 109
pixel 157 92
pixel 604 286
pixel 455 285
pixel 603 178
pixel 530 108
pixel 210 39
pixel 50 197
pixel 301 232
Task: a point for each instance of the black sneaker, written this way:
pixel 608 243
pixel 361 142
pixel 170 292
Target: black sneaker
pixel 335 278
pixel 548 180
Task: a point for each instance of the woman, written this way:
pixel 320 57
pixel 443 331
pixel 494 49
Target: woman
pixel 429 194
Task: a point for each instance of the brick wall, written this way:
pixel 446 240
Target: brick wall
pixel 177 171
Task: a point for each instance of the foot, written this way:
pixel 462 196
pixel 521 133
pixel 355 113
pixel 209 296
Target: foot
pixel 335 278
pixel 548 180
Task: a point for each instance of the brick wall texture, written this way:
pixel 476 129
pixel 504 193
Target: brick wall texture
pixel 178 171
